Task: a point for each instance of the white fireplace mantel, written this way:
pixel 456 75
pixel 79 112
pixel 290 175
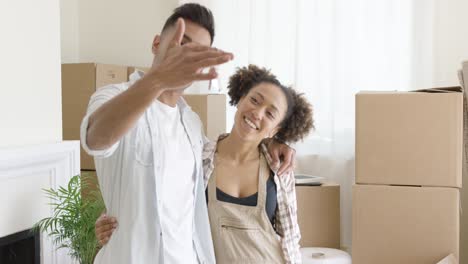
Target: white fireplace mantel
pixel 24 172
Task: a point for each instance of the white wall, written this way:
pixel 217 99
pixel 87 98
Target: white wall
pixel 450 40
pixel 115 32
pixel 69 31
pixel 30 95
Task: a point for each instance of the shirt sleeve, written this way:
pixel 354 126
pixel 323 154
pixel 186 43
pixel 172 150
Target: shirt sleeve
pixel 206 140
pixel 100 97
pixel 287 224
pixel 208 163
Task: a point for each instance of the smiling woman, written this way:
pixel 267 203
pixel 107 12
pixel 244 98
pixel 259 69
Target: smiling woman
pixel 253 89
pixel 252 210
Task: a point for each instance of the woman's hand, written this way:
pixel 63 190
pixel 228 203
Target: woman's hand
pixel 104 227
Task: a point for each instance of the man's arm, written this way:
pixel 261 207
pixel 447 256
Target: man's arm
pixel 181 66
pixel 115 118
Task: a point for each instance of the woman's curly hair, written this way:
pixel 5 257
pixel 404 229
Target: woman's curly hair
pixel 298 120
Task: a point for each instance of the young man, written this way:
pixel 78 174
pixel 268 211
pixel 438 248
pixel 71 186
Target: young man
pixel 148 144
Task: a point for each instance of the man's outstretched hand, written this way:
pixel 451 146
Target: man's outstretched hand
pixel 183 65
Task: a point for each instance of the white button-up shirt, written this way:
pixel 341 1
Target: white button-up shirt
pixel 129 174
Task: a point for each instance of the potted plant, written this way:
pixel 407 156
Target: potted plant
pixel 72 223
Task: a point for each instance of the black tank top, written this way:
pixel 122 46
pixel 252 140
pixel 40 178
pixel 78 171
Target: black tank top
pixel 271 201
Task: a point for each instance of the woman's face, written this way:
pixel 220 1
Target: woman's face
pixel 260 112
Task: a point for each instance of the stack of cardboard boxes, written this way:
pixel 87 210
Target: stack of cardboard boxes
pixel 80 81
pixel 406 201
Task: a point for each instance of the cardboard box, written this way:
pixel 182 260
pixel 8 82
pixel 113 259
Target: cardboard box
pixel 410 138
pixel 79 82
pixel 404 225
pixel 319 215
pixel 212 111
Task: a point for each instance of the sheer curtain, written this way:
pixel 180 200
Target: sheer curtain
pixel 330 50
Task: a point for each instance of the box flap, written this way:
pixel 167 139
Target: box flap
pixel 461 79
pixel 453 89
pixel 464 73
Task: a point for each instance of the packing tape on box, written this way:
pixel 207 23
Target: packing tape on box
pixel 316 255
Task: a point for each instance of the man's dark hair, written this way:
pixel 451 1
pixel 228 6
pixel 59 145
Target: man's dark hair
pixel 196 13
